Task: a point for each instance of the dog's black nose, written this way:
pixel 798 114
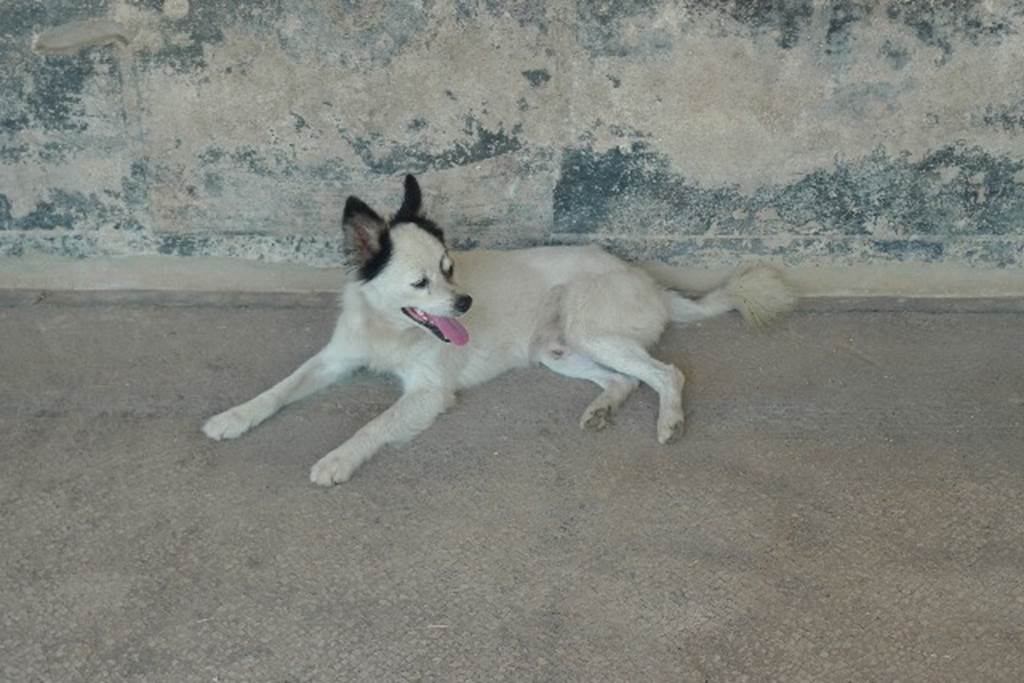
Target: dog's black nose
pixel 463 302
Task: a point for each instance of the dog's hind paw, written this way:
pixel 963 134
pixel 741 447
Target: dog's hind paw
pixel 596 419
pixel 670 428
pixel 228 425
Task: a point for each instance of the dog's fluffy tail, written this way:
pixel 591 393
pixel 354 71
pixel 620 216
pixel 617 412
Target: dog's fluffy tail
pixel 758 292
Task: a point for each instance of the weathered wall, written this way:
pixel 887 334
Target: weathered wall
pixel 694 132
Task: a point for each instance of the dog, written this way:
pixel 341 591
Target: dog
pixel 443 321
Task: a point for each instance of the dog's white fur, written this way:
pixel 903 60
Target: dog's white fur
pixel 579 311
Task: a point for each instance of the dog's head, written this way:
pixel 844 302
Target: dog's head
pixel 403 267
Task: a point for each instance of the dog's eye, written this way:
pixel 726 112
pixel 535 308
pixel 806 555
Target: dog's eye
pixel 451 271
pixel 421 283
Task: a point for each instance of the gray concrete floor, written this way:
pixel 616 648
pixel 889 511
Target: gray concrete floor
pixel 847 505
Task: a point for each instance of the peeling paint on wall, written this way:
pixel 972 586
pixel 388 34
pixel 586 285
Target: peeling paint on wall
pixel 841 132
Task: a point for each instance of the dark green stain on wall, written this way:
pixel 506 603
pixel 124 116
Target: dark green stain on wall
pixel 215 163
pixel 6 219
pixel 896 55
pixel 58 209
pixel 537 77
pixel 938 24
pixel 901 207
pixel 324 250
pixel 935 24
pixel 787 19
pixel 592 187
pixel 46 92
pixel 202 28
pixel 844 15
pixel 386 158
pixel 1008 117
pixel 525 12
pixel 602 27
pixel 10 154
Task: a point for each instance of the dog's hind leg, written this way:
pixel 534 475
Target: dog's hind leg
pixel 316 373
pixel 629 357
pixel 616 387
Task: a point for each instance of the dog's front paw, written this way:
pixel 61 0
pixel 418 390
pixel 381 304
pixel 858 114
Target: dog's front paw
pixel 334 468
pixel 229 424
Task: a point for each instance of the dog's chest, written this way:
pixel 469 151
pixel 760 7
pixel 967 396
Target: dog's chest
pixel 399 354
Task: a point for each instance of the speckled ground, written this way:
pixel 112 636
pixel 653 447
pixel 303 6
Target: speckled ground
pixel 846 506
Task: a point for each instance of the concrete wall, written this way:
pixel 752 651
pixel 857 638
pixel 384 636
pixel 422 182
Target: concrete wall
pixel 807 132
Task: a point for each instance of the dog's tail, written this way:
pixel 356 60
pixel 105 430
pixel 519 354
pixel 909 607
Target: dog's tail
pixel 758 292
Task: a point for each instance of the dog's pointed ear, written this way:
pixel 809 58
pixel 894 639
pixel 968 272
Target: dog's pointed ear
pixel 364 230
pixel 412 202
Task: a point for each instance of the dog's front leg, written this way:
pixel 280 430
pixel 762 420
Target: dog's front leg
pixel 409 416
pixel 315 374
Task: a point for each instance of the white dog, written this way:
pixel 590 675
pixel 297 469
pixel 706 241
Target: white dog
pixel 406 310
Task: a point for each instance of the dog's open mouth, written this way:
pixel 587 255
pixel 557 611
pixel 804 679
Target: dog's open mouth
pixel 447 330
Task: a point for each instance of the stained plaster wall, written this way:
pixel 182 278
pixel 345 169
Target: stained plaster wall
pixel 809 133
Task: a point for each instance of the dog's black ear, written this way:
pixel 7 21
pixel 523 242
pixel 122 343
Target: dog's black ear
pixel 412 202
pixel 365 231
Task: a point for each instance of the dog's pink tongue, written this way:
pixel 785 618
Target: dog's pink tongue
pixel 451 328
